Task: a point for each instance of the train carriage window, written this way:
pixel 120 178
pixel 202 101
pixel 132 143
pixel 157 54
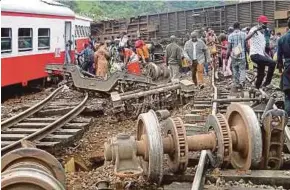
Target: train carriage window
pixel 6 40
pixel 78 31
pixel 25 39
pixel 43 38
pixel 82 31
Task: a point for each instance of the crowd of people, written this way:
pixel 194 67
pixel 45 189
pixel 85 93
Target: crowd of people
pixel 97 55
pixel 231 51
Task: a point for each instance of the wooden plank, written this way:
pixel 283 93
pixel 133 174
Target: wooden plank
pixel 266 177
pixel 38 126
pixel 49 138
pixel 258 177
pixel 32 130
pixel 38 145
pixel 52 119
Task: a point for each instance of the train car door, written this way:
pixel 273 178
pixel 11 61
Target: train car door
pixel 67 38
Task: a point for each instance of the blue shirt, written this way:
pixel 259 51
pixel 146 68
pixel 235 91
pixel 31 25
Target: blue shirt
pixel 235 38
pixel 284 52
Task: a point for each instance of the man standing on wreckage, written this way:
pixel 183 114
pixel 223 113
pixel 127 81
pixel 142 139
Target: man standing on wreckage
pixel 284 52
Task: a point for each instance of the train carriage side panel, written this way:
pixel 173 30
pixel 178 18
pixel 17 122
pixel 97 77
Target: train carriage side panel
pixel 24 63
pixel 82 31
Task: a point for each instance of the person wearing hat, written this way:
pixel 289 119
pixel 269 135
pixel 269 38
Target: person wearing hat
pixel 173 57
pixel 284 52
pixel 198 53
pixel 258 54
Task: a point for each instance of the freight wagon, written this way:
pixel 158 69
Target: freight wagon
pixel 180 23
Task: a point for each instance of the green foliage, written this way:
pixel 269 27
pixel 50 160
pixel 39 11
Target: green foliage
pixel 126 9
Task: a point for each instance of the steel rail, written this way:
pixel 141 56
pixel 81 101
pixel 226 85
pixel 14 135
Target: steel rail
pixel 17 118
pixel 38 135
pixel 204 157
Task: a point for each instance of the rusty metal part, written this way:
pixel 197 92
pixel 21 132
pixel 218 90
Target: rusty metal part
pixel 94 84
pixel 40 134
pixel 30 111
pixel 103 185
pixel 157 71
pixel 158 97
pixel 246 136
pixel 236 100
pixel 274 122
pixel 162 114
pixel 123 150
pixel 178 158
pixel 31 168
pixel 223 152
pixel 148 130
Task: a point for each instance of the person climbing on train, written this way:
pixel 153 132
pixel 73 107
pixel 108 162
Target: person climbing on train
pixel 142 50
pixel 131 60
pixel 198 53
pixel 173 57
pixel 88 54
pixel 284 68
pixel 101 60
pixel 237 53
pixel 258 54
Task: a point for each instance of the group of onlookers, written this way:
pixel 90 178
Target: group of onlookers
pixel 203 50
pixel 231 49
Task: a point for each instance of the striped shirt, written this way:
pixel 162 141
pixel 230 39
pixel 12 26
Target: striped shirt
pixel 257 42
pixel 235 38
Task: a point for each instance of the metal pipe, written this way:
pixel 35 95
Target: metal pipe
pixel 236 100
pixel 149 92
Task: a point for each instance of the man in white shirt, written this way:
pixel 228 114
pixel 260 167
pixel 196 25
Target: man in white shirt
pixel 258 54
pixel 124 40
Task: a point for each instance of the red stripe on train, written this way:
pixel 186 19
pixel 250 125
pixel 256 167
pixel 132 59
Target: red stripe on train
pixel 21 69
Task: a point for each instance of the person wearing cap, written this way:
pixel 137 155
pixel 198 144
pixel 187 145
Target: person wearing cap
pixel 258 54
pixel 198 53
pixel 237 53
pixel 284 52
pixel 173 57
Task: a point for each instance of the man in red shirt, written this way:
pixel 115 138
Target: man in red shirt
pixel 131 60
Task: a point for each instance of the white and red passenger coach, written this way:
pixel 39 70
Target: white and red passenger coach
pixel 33 34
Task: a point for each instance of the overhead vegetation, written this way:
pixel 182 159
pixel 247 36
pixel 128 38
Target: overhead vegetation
pixel 99 10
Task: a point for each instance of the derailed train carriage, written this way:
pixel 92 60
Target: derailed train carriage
pixel 34 34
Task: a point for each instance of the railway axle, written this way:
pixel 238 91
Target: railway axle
pixel 235 138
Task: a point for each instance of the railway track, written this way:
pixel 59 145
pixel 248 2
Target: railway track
pixel 162 132
pixel 195 124
pixel 50 123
